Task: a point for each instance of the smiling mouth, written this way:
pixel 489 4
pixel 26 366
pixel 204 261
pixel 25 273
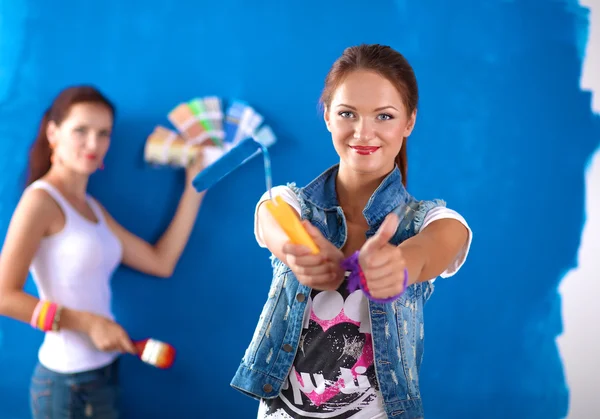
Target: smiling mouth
pixel 365 150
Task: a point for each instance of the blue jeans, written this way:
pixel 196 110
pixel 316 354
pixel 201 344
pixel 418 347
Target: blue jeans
pixel 89 394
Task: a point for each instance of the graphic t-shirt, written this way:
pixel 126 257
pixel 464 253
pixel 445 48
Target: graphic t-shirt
pixel 333 375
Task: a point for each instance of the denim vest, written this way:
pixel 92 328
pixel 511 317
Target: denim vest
pixel 397 328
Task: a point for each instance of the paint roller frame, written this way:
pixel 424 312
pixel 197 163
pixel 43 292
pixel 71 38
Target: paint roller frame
pixel 227 163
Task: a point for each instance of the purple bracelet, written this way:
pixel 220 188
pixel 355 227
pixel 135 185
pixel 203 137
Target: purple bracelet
pixel 357 280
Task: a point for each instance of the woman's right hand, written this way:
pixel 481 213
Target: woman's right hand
pixel 108 336
pixel 322 271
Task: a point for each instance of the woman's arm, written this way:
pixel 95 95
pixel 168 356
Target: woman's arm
pixel 429 253
pixel 424 256
pixel 161 258
pixel 30 223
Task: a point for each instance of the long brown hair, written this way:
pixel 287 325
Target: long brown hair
pixel 40 152
pixel 390 64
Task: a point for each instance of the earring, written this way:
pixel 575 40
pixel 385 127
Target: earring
pixel 102 166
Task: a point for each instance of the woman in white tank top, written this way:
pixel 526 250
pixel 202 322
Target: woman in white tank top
pixel 72 246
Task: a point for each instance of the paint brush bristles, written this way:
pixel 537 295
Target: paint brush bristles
pixel 156 353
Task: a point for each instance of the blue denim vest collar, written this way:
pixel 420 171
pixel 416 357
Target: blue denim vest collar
pixel 388 196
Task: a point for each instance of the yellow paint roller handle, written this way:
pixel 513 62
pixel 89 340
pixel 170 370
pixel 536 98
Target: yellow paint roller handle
pixel 290 224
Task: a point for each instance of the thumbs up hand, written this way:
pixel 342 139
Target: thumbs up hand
pixel 321 271
pixel 382 263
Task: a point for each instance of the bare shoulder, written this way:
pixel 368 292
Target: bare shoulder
pixel 37 206
pixel 38 200
pixel 35 216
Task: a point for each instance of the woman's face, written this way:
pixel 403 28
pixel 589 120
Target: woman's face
pixel 81 141
pixel 368 121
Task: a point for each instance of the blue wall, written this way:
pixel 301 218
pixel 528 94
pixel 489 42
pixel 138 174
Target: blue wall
pixel 503 135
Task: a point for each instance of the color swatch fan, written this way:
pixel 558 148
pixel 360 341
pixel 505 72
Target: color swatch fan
pixel 202 128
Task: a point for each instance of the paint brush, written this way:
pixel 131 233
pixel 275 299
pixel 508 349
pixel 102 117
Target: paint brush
pixel 156 353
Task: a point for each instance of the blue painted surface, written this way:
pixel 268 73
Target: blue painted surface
pixel 503 135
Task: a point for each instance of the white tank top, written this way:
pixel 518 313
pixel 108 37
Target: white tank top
pixel 73 268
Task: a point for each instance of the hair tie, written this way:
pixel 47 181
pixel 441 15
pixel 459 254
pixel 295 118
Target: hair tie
pixel 357 279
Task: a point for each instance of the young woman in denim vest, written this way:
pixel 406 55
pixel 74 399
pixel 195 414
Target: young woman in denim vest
pixel 72 246
pixel 319 351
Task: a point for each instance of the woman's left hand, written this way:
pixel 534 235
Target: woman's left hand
pixel 383 263
pixel 195 167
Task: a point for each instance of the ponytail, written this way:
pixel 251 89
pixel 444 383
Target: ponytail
pixel 40 153
pixel 402 162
